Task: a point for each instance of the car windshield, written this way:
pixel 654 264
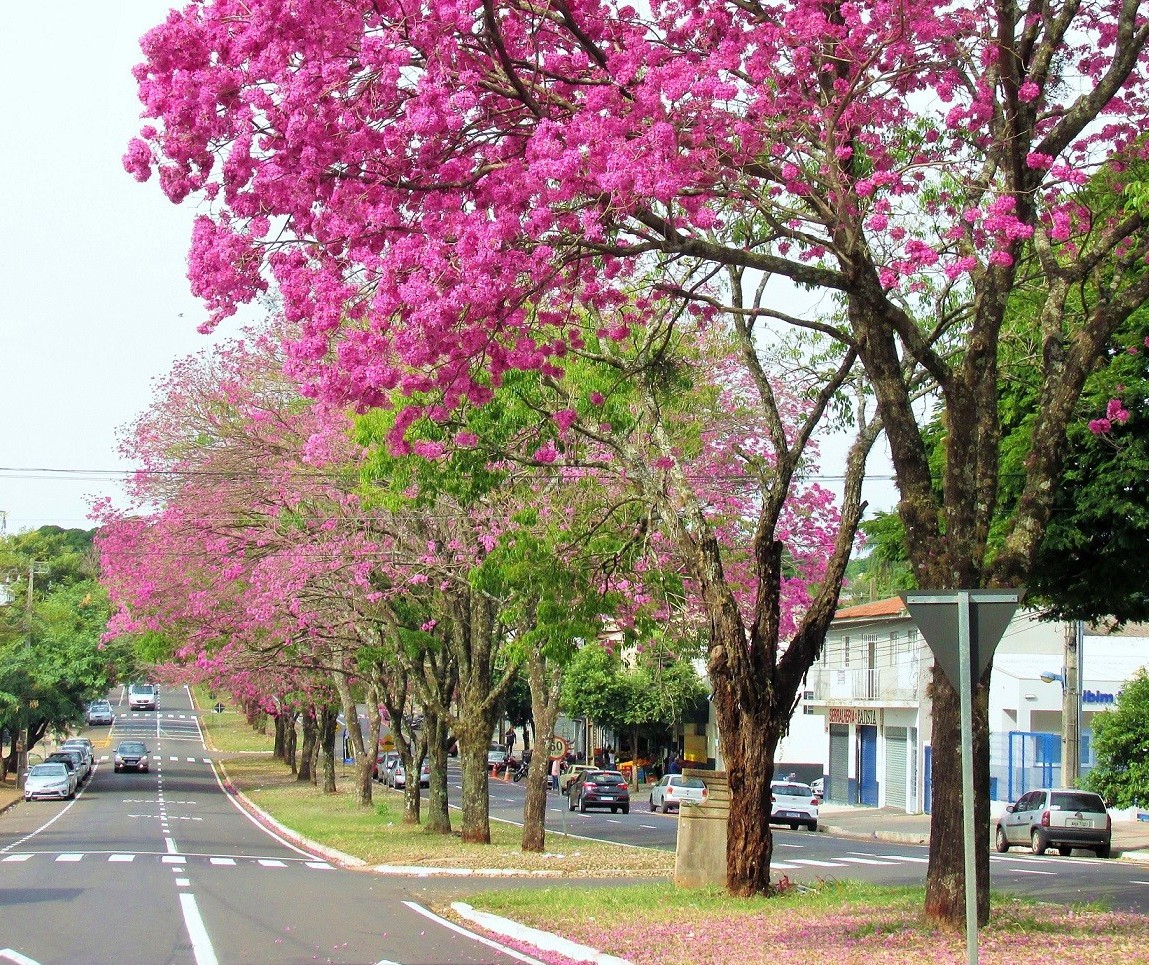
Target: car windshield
pixel 1068 801
pixel 792 790
pixel 48 770
pixel 132 747
pixel 604 777
pixel 101 705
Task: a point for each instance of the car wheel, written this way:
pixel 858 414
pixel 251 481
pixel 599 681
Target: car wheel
pixel 27 797
pixel 581 804
pixel 653 806
pixel 1001 841
pixel 570 803
pixel 1102 851
pixel 117 769
pixel 812 826
pixel 665 807
pixel 1037 842
pixel 614 810
pixel 1065 851
pixel 626 809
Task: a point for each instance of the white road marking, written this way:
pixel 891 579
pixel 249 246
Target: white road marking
pixel 895 857
pixel 652 827
pixel 201 943
pixel 782 866
pixel 171 846
pixel 781 844
pixel 459 929
pixel 183 882
pixel 16 857
pixel 816 864
pixel 865 861
pixel 173 859
pixel 14 956
pixel 272 863
pixel 228 861
pixel 1139 882
pixel 322 865
pixel 69 857
pixel 121 857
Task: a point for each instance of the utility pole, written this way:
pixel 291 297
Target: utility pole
pixel 24 735
pixel 1071 707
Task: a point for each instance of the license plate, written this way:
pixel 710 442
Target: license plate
pixel 1078 823
pixel 791 814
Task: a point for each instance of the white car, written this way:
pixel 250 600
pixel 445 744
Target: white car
pixel 84 746
pixel 100 712
pixel 793 804
pixel 674 790
pixel 49 780
pixel 397 776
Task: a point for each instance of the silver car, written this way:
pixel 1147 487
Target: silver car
pixel 85 747
pixel 100 712
pixel 674 790
pixel 1064 818
pixel 50 780
pixel 793 804
pixel 397 776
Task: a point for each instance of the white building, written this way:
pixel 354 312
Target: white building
pixel 865 716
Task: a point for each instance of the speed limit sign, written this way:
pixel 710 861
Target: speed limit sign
pixel 560 747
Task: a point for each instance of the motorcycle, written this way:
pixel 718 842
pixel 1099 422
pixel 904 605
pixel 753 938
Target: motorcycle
pixel 519 770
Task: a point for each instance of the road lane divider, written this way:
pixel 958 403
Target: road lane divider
pixel 197 932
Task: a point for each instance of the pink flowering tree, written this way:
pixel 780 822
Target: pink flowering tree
pixel 417 182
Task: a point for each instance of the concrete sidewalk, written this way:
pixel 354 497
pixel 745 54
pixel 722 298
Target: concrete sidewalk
pixel 1130 837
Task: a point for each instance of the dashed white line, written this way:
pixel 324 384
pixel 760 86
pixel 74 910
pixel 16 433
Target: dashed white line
pixel 69 857
pixel 121 857
pixel 201 943
pixel 171 846
pixel 866 861
pixel 224 861
pixel 1029 871
pixel 272 863
pixel 815 863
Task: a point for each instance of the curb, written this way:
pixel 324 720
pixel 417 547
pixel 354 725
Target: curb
pixel 894 837
pixel 542 940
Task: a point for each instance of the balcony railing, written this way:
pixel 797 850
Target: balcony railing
pixel 879 684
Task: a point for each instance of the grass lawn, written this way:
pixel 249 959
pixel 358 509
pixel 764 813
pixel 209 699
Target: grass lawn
pixel 653 923
pixel 228 731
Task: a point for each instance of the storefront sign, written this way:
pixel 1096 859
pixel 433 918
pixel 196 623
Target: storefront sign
pixel 865 716
pixel 1097 697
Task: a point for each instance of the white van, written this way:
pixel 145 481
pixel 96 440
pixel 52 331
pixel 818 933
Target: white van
pixel 143 697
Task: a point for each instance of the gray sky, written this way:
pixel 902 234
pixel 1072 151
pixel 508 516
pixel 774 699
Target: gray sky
pixel 94 300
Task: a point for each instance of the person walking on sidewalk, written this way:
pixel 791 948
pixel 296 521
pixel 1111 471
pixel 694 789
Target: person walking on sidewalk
pixel 556 770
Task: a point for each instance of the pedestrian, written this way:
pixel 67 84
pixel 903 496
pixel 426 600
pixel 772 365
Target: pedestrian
pixel 556 765
pixel 510 741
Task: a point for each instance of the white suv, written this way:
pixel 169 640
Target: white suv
pixel 143 697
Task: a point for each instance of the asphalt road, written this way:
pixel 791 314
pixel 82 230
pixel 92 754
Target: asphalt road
pixel 163 867
pixel 805 857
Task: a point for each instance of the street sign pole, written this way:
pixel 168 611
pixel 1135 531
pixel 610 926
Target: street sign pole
pixel 963 628
pixel 965 695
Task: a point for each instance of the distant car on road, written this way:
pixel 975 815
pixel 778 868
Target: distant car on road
pixel 675 790
pixel 793 804
pixel 1064 818
pixel 384 761
pixel 818 786
pixel 496 756
pixel 397 776
pixel 48 780
pixel 143 697
pixel 599 789
pixel 568 777
pixel 100 712
pixel 131 756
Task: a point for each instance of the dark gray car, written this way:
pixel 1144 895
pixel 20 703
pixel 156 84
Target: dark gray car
pixel 1064 818
pixel 132 756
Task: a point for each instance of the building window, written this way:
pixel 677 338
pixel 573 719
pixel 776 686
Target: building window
pixel 845 651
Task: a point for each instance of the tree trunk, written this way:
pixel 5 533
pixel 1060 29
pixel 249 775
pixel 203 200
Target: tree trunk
pixel 328 725
pixel 945 875
pixel 438 816
pixel 292 743
pixel 546 685
pixel 307 752
pixel 279 743
pixel 364 757
pixel 473 744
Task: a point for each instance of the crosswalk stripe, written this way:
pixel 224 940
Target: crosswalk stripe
pixel 272 863
pixel 323 865
pixel 866 861
pixel 121 857
pixel 816 864
pixel 782 866
pixel 227 861
pixel 16 857
pixel 899 857
pixel 69 857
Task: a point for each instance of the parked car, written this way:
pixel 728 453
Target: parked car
pixel 50 779
pixel 131 756
pixel 675 790
pixel 1064 818
pixel 793 804
pixel 87 761
pixel 384 761
pixel 143 697
pixel 818 786
pixel 78 757
pixel 568 777
pixel 496 756
pixel 599 789
pixel 71 762
pixel 100 712
pixel 84 745
pixel 397 776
